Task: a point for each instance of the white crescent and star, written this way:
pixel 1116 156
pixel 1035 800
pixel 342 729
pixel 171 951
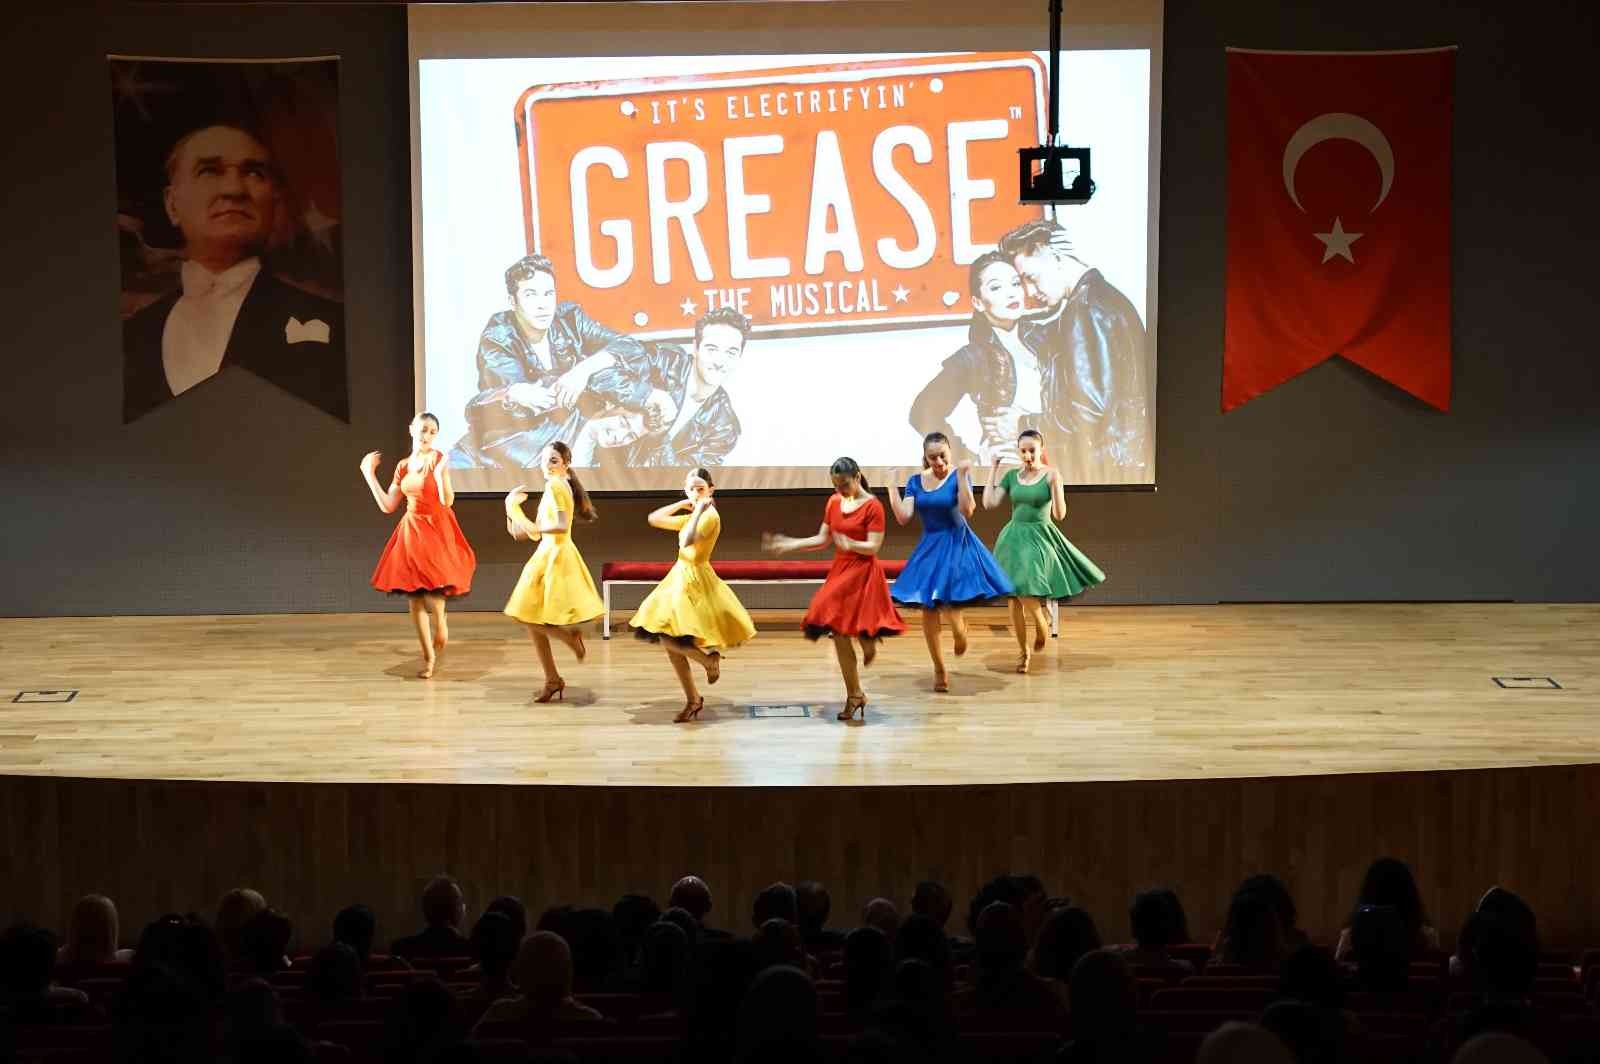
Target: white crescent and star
pixel 1338 126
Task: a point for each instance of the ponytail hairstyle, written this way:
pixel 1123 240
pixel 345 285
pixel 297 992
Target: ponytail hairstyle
pixel 929 440
pixel 847 467
pixel 580 498
pixel 704 475
pixel 1033 434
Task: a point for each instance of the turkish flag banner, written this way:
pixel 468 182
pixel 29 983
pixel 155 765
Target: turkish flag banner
pixel 1338 218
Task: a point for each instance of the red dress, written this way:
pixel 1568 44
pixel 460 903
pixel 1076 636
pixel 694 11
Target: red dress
pixel 427 551
pixel 854 600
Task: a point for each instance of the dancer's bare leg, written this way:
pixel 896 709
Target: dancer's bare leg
pixel 419 621
pixel 869 651
pixel 547 659
pixel 1020 612
pixel 1041 623
pixel 570 635
pixel 855 696
pixel 930 633
pixel 692 702
pixel 711 663
pixel 958 629
pixel 441 628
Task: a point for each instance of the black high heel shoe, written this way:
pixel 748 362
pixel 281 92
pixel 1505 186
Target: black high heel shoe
pixel 853 705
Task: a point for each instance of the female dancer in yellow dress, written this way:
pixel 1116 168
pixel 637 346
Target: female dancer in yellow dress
pixel 556 594
pixel 692 613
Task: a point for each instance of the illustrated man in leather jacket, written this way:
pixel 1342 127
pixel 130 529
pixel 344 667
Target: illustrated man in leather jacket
pixel 535 364
pixel 690 420
pixel 1099 377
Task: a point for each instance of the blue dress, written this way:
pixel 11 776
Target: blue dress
pixel 950 565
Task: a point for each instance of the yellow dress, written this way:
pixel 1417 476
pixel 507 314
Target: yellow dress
pixel 555 586
pixel 692 604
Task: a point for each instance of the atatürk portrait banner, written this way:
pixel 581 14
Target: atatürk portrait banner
pixel 228 226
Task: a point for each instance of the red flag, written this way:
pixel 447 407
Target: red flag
pixel 1338 218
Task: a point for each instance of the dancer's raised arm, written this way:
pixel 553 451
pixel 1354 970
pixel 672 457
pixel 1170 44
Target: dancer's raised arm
pixel 969 505
pixel 1058 495
pixel 691 530
pixel 388 501
pixel 903 508
pixel 993 493
pixel 666 517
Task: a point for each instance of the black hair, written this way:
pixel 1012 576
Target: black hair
pixel 524 269
pixel 983 262
pixel 722 316
pixel 494 943
pixel 430 417
pixel 356 926
pixel 27 954
pixel 779 900
pixel 704 474
pixel 334 973
pixel 511 907
pixel 1389 882
pixel 929 440
pixel 1030 237
pixel 847 467
pixel 1152 919
pixel 812 902
pixel 580 498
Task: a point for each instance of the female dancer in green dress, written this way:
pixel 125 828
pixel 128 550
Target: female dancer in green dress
pixel 1040 561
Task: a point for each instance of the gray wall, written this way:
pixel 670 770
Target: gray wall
pixel 1334 486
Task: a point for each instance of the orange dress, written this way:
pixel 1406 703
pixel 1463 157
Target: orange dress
pixel 427 551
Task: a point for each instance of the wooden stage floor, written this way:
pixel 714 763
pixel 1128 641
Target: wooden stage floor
pixel 1127 693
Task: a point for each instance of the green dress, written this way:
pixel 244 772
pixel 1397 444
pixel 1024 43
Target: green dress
pixel 1031 549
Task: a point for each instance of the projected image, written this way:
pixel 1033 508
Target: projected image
pixel 762 263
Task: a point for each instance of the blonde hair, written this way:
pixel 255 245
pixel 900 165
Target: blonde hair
pixel 92 928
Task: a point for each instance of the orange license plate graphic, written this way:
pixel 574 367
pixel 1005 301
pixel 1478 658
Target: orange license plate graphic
pixel 821 197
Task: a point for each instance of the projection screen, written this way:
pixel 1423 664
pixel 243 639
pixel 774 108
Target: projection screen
pixel 759 263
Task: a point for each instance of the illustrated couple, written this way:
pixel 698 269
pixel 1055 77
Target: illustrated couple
pixel 1052 346
pixel 547 371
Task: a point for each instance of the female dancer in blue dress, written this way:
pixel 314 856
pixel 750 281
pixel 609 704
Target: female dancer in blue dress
pixel 950 567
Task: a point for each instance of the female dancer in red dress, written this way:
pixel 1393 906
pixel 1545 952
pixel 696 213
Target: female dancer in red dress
pixel 853 602
pixel 427 559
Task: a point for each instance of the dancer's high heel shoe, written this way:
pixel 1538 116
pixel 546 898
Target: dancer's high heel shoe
pixel 690 711
pixel 576 642
pixel 552 690
pixel 853 705
pixel 426 672
pixel 1038 638
pixel 1023 660
pixel 960 637
pixel 714 668
pixel 869 652
pixel 941 682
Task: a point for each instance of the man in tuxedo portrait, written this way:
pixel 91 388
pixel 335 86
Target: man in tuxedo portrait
pixel 226 198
